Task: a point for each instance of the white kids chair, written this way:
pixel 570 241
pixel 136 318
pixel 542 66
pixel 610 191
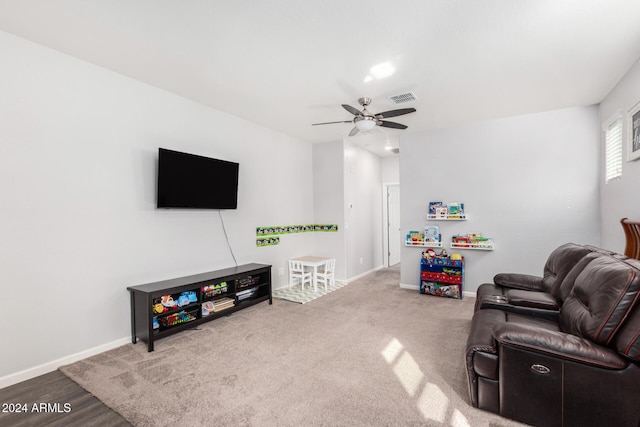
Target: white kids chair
pixel 297 273
pixel 326 275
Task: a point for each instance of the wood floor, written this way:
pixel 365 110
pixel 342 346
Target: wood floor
pixel 54 400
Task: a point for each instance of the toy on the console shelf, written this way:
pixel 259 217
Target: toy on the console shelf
pixel 183 300
pixel 191 295
pixel 158 308
pixel 167 301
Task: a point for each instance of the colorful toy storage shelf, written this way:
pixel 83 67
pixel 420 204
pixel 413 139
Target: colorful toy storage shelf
pixel 442 277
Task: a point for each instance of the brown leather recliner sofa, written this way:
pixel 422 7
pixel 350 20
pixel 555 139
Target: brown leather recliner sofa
pixel 562 349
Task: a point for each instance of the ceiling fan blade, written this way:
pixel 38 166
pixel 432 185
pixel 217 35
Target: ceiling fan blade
pixel 394 125
pixel 395 113
pixel 353 131
pixel 330 123
pixel 352 110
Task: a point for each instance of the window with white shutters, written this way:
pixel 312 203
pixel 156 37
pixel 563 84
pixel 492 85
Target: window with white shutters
pixel 613 149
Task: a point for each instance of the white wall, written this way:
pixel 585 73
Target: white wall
pixel 348 191
pixel 363 209
pixel 328 197
pixel 530 182
pixel 391 170
pixel 78 224
pixel 619 199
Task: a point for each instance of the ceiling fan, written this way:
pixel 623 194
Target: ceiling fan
pixel 365 121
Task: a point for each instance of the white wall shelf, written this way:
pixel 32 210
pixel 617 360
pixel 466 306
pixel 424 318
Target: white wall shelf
pixel 482 246
pixel 424 244
pixel 438 218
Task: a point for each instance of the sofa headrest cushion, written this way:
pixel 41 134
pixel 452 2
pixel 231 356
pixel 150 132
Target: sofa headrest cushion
pixel 603 295
pixel 564 288
pixel 560 262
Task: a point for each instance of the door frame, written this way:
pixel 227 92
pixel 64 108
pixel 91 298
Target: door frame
pixel 385 223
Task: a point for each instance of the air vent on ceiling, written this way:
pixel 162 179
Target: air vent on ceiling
pixel 395 150
pixel 403 98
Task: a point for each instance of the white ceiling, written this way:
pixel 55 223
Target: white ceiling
pixel 289 63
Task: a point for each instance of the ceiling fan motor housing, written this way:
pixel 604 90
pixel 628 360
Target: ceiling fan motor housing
pixel 365 101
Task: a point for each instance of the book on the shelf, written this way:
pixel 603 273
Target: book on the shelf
pixel 433 206
pixel 431 233
pixel 442 212
pixel 456 209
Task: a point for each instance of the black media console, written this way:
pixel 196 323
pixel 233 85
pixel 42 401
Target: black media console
pixel 163 308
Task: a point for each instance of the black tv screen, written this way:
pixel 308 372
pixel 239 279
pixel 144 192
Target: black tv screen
pixel 196 182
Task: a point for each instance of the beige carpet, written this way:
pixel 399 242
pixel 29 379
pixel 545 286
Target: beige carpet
pixel 369 354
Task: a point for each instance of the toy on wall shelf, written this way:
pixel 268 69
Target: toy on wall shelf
pixel 471 241
pixel 433 206
pixel 432 234
pixel 449 210
pixel 415 238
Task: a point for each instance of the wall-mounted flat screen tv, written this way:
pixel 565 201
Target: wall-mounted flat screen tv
pixel 196 182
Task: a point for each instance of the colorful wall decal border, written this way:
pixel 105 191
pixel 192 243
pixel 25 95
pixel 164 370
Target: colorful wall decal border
pixel 269 236
pixel 291 229
pixel 267 241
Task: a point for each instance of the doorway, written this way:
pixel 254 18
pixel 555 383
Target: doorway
pixel 393 224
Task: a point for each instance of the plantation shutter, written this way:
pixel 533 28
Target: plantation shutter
pixel 613 150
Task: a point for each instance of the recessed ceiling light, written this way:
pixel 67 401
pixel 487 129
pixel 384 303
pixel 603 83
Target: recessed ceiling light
pixel 382 70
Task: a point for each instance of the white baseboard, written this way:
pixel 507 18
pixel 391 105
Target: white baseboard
pixel 45 368
pixel 366 273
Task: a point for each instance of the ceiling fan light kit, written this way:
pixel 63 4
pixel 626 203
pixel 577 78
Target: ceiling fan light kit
pixel 365 121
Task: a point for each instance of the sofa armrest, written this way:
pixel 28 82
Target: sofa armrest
pixel 558 344
pixel 519 281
